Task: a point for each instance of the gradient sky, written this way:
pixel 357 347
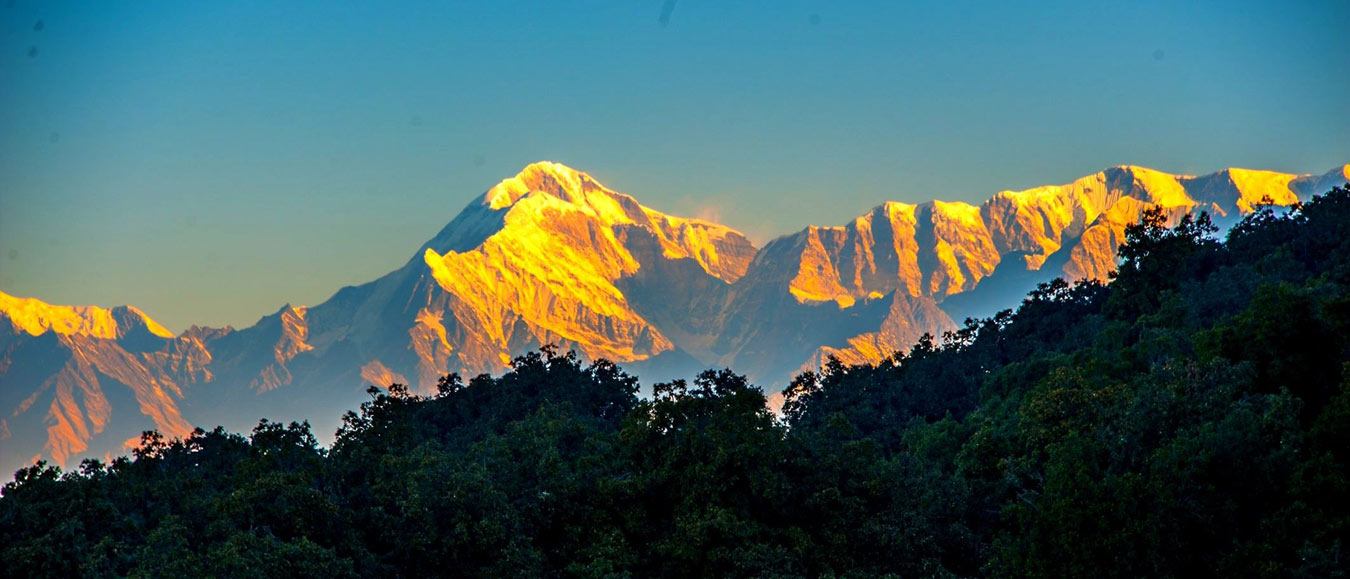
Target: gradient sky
pixel 210 161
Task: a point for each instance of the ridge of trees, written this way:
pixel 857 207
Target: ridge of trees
pixel 1192 418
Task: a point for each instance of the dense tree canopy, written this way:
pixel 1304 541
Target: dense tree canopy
pixel 1191 418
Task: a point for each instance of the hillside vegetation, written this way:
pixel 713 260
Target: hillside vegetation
pixel 1191 418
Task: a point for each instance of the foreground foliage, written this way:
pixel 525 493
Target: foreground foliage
pixel 1190 419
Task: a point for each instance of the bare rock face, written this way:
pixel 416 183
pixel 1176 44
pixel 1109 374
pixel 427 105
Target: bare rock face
pixel 551 256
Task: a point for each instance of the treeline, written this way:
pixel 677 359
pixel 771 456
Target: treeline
pixel 1192 418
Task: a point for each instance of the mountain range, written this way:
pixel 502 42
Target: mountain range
pixel 552 256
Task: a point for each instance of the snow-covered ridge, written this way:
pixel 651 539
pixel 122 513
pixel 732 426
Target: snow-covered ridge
pixel 553 256
pixel 36 317
pixel 945 248
pixel 929 252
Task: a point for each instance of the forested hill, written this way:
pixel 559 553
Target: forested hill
pixel 1192 418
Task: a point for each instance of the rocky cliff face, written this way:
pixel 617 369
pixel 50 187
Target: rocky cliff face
pixel 551 256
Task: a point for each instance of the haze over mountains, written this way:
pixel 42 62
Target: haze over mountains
pixel 551 256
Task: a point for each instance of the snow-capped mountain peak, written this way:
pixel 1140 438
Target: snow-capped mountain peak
pixel 552 256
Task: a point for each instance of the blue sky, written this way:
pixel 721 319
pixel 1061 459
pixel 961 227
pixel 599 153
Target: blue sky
pixel 210 161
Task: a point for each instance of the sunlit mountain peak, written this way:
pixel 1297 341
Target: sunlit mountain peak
pixel 552 256
pixel 37 317
pixel 555 179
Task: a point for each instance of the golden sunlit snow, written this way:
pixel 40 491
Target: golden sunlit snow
pixel 551 256
pixel 36 318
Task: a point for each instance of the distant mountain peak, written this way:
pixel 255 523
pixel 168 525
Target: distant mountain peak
pixel 36 317
pixel 552 256
pixel 555 179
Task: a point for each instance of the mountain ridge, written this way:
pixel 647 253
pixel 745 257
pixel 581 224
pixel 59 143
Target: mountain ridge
pixel 552 256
